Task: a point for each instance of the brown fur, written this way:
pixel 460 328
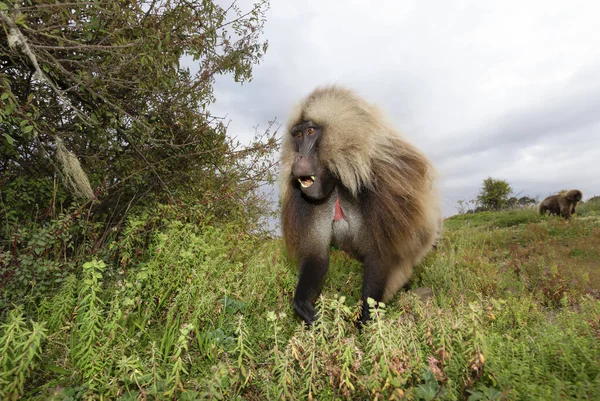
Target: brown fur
pixel 391 181
pixel 561 204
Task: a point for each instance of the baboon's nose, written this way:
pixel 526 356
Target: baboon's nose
pixel 302 167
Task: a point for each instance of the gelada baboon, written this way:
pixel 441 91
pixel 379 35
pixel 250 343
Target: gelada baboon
pixel 350 179
pixel 562 204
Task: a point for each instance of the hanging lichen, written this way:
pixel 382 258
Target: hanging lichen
pixel 76 179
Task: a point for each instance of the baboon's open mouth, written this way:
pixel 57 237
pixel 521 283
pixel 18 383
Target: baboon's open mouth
pixel 306 181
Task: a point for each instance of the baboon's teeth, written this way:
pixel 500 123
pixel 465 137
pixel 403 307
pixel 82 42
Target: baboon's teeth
pixel 306 182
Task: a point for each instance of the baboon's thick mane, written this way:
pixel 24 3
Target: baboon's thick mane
pixel 373 161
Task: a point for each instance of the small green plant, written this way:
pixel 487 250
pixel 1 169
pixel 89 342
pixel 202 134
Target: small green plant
pixel 20 352
pixel 88 337
pixel 174 380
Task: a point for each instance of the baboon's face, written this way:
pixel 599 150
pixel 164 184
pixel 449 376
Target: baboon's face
pixel 574 196
pixel 314 180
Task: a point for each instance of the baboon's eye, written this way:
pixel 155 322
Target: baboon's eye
pixel 310 131
pixel 299 134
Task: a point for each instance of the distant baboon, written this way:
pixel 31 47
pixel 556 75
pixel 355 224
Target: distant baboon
pixel 561 204
pixel 350 179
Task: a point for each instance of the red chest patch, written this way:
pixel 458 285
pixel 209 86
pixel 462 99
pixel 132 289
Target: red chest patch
pixel 339 214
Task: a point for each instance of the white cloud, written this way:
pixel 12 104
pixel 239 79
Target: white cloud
pixel 505 89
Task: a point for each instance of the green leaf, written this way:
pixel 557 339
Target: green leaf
pixel 5 94
pixel 56 369
pixel 476 396
pixel 9 138
pixel 427 391
pixel 28 129
pixel 9 108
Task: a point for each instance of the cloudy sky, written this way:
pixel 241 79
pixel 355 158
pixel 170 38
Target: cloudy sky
pixel 504 89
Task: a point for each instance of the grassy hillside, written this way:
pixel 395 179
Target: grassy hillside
pixel 188 312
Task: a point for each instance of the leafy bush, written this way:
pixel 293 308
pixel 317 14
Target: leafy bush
pixel 38 258
pixel 97 101
pixel 494 194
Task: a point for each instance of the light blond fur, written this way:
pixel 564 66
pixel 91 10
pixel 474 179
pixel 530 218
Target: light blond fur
pixel 372 160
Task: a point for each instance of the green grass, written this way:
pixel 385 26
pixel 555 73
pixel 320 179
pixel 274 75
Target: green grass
pixel 205 313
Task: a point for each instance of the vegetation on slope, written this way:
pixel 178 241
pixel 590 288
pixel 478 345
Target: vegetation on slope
pixel 173 309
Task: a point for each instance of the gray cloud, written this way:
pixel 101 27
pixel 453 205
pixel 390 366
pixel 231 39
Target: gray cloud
pixel 506 89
